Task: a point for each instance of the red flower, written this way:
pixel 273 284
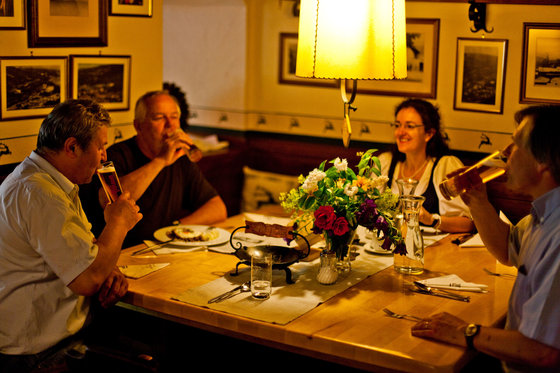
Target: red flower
pixel 340 226
pixel 324 217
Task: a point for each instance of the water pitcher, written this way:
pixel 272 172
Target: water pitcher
pixel 413 262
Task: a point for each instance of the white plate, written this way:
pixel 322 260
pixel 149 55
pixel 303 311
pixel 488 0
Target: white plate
pixel 374 247
pixel 161 235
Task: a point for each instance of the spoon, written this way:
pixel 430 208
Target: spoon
pixel 245 287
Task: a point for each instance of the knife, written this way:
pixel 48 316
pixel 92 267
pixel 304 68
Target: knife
pixel 150 248
pixel 462 239
pixel 439 292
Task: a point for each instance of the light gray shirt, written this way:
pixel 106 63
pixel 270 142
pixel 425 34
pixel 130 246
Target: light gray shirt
pixel 534 305
pixel 45 243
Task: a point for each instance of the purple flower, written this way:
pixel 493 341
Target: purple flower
pixel 400 249
pixel 367 214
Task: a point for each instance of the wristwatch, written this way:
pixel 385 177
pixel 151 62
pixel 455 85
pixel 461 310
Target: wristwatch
pixel 471 331
pixel 437 221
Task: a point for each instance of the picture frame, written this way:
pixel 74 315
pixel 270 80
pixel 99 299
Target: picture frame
pixel 31 86
pixel 137 8
pixel 540 75
pixel 480 75
pixel 55 24
pixel 422 39
pixel 104 79
pixel 287 64
pixel 12 15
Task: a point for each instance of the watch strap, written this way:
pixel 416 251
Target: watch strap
pixel 469 335
pixel 437 221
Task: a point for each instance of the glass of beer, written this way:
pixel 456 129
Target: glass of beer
pixel 110 181
pixel 194 153
pixel 485 170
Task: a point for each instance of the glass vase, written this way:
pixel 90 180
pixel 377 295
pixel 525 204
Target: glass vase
pixel 413 262
pixel 341 246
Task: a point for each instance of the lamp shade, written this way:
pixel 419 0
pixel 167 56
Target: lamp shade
pixel 352 39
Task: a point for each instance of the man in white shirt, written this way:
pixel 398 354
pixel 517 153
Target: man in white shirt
pixel 50 262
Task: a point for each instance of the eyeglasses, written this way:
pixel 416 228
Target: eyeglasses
pixel 406 125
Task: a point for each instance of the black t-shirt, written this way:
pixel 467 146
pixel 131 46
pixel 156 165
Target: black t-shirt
pixel 177 190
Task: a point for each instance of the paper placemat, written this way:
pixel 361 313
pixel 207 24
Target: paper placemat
pixel 287 302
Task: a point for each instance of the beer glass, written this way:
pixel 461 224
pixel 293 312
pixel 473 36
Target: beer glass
pixel 193 152
pixel 485 170
pixel 110 181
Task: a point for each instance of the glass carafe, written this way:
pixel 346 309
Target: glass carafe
pixel 413 262
pixel 407 186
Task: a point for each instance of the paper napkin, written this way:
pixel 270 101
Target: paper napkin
pixel 140 270
pixel 474 241
pixel 454 282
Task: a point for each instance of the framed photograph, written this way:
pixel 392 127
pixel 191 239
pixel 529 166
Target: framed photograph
pixel 105 79
pixel 540 74
pixel 62 23
pixel 12 14
pixel 134 8
pixel 480 75
pixel 287 65
pixel 422 42
pixel 31 86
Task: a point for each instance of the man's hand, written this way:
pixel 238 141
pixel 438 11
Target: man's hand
pixel 443 327
pixel 113 289
pixel 174 147
pixel 475 196
pixel 123 211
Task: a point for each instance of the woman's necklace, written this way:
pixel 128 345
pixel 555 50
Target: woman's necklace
pixel 413 176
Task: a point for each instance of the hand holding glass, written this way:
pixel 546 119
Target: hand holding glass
pixel 486 169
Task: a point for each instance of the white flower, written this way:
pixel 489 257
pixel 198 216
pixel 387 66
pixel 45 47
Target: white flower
pixel 350 190
pixel 379 182
pixel 310 184
pixel 341 165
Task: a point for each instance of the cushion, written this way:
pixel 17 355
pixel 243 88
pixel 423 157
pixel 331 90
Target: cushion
pixel 262 188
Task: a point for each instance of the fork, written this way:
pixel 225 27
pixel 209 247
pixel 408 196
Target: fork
pixel 401 315
pixel 498 274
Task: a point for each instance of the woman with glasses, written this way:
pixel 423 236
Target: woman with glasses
pixel 421 153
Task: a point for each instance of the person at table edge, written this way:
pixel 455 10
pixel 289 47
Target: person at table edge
pixel 50 262
pixel 530 341
pixel 421 153
pixel 154 168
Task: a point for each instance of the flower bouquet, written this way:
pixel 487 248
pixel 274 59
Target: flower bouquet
pixel 336 200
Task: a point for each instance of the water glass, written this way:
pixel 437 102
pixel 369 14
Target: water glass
pixel 261 275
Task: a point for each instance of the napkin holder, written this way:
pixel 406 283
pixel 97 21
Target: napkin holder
pixel 282 256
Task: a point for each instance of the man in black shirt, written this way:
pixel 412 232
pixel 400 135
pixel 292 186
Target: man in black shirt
pixel 152 166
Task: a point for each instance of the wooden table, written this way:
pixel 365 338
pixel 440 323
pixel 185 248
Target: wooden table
pixel 350 328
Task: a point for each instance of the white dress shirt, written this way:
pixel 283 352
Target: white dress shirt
pixel 45 243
